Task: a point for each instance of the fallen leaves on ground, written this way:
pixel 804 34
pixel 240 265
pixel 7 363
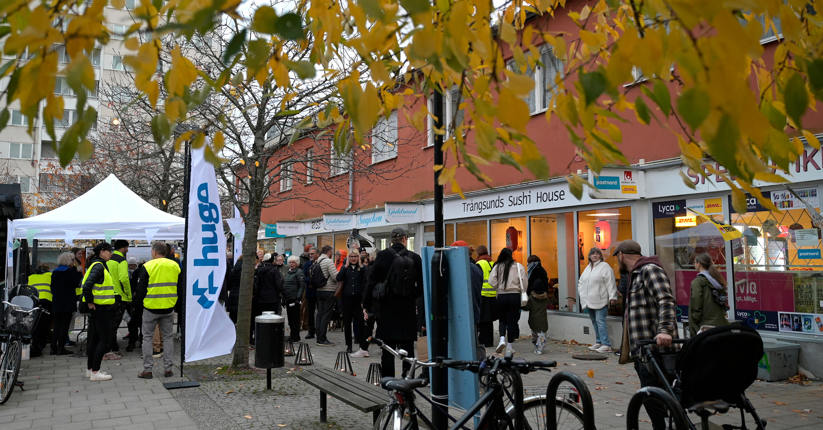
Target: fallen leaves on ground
pixel 229 392
pixel 779 403
pixel 590 373
pixel 248 417
pixel 281 425
pixel 799 379
pixel 802 411
pixel 618 382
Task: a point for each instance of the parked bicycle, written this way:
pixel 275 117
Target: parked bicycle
pixel 502 403
pixel 708 376
pixel 20 316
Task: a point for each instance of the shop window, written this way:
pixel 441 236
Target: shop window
pixel 681 234
pixel 473 233
pixel 449 231
pixel 340 242
pixel 323 240
pixel 778 270
pixel 604 229
pixel 544 245
pixel 509 233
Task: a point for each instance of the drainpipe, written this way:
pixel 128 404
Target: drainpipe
pixel 351 185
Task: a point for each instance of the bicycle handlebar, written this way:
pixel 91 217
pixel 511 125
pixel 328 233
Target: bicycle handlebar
pixel 20 308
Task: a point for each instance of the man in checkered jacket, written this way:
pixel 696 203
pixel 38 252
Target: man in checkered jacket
pixel 650 311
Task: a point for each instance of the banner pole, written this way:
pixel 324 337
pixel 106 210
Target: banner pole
pixel 181 324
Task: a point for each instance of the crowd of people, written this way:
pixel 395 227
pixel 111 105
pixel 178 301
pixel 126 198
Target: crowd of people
pixel 359 294
pixel 106 286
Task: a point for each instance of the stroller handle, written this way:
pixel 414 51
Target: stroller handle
pixel 26 311
pixel 650 342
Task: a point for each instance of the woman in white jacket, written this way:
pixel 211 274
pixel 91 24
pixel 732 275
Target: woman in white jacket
pixel 509 278
pixel 597 289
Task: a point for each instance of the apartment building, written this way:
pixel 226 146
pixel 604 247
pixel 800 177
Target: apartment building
pixel 775 271
pixel 31 160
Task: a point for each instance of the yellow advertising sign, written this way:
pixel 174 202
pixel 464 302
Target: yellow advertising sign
pixel 628 189
pixel 713 206
pixel 685 221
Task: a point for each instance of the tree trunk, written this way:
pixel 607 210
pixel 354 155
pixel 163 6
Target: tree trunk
pixel 240 357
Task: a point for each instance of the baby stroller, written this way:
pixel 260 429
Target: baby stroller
pixel 710 373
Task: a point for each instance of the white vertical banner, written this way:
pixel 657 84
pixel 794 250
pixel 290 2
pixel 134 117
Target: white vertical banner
pixel 9 258
pixel 209 331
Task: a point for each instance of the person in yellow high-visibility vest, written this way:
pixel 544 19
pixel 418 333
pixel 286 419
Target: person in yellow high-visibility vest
pixel 99 298
pixel 41 280
pixel 119 269
pixel 161 287
pixel 488 300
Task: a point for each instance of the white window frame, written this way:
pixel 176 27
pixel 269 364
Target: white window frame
pixel 449 108
pixel 69 118
pixel 62 54
pixel 17 118
pixel 384 139
pixel 61 87
pixel 286 175
pixel 122 67
pixel 539 98
pixel 96 56
pixel 309 166
pixel 21 153
pixel 118 31
pixel 28 183
pixel 337 164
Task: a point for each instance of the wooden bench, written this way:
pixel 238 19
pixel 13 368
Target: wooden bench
pixel 358 394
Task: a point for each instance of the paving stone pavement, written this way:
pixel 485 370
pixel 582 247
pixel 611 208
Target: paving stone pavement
pixel 58 396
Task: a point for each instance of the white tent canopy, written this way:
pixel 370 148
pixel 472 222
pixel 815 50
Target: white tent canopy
pixel 108 211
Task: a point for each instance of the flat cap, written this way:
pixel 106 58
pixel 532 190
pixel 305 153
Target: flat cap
pixel 628 247
pixel 398 233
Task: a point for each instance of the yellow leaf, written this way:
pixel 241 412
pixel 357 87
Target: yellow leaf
pixel 118 4
pixel 513 111
pixel 181 74
pixel 590 373
pixel 520 85
pixel 811 139
pixel 132 43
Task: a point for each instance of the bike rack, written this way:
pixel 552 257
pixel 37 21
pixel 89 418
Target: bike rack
pixel 582 390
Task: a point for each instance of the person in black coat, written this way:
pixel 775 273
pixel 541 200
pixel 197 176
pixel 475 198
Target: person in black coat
pixel 268 289
pixel 396 316
pixel 234 289
pixel 65 280
pixel 353 277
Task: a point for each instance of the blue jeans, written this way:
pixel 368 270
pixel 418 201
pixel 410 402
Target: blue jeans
pixel 601 331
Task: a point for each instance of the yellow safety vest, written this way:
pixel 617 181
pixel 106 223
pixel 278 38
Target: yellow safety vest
pixel 162 291
pixel 487 290
pixel 103 292
pixel 41 281
pixel 118 266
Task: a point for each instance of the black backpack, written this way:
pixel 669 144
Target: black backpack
pixel 401 280
pixel 316 277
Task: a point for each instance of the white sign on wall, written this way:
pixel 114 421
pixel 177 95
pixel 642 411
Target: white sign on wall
pixel 404 213
pixel 338 222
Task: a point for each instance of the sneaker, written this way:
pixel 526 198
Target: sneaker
pixel 144 375
pixel 510 349
pixel 359 354
pixel 325 343
pixel 605 349
pixel 538 351
pixel 594 347
pixel 157 354
pixel 99 376
pixel 500 347
pixel 88 373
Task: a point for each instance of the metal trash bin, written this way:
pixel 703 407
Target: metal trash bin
pixel 269 340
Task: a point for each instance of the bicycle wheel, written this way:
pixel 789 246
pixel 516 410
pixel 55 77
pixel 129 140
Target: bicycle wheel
pixel 664 407
pixel 9 368
pixel 568 416
pixel 393 417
